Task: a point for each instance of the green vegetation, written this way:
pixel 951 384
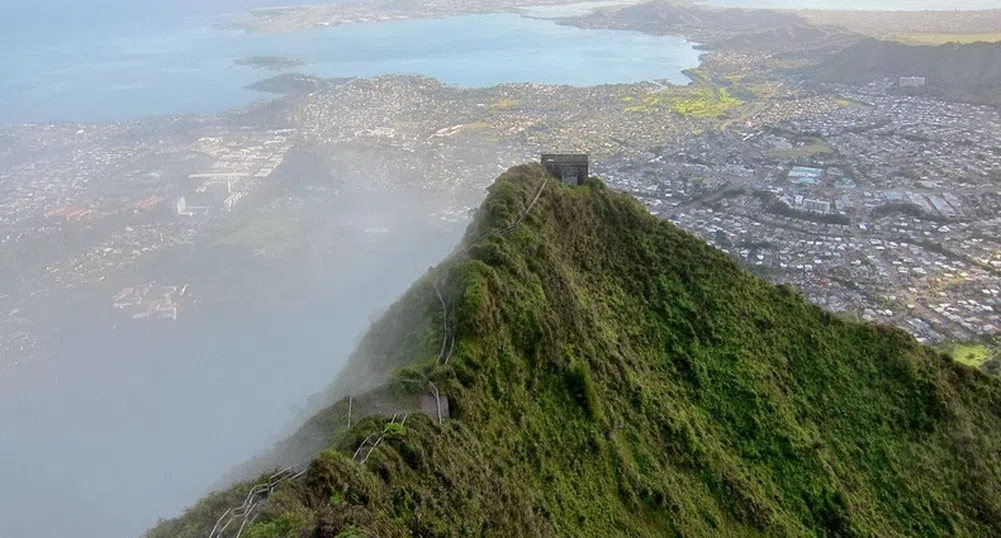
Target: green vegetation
pixel 476 126
pixel 699 76
pixel 780 208
pixel 691 101
pixel 614 376
pixel 841 101
pixel 920 38
pixel 970 354
pixel 983 355
pixel 803 150
pixel 757 91
pixel 504 103
pixel 906 208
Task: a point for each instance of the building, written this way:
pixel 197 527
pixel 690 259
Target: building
pixel 817 206
pixel 803 175
pixel 912 82
pixel 187 210
pixel 570 168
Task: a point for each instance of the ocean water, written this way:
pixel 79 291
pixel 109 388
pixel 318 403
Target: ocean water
pixel 187 66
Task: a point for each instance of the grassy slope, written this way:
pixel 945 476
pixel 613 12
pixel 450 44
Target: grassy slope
pixel 614 376
pixel 970 354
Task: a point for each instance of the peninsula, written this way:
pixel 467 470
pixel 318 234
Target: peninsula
pixel 271 63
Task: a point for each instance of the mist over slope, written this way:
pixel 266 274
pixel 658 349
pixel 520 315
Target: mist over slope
pixel 607 374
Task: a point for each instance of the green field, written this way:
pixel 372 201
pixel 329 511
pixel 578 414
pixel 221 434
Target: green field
pixel 811 148
pixel 941 39
pixel 504 103
pixel 970 354
pixel 841 101
pixel 696 102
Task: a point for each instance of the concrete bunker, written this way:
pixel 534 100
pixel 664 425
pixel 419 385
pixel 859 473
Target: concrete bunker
pixel 569 168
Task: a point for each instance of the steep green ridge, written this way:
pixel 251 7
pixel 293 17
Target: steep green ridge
pixel 614 376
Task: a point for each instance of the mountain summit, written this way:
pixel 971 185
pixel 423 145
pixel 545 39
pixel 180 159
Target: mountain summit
pixel 580 368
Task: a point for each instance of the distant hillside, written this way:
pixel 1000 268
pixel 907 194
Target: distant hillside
pixel 668 18
pixel 884 23
pixel 294 83
pixel 732 29
pixel 970 72
pixel 606 374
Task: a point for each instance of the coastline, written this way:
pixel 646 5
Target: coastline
pixel 282 20
pixel 206 72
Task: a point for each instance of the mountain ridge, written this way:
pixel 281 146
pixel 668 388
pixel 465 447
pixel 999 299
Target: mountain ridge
pixel 612 375
pixel 967 72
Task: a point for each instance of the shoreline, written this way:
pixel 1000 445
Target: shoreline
pixel 261 68
pixel 290 19
pixel 861 22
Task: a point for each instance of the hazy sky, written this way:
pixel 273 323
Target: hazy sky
pixel 144 5
pixel 95 13
pixel 53 22
pixel 862 4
